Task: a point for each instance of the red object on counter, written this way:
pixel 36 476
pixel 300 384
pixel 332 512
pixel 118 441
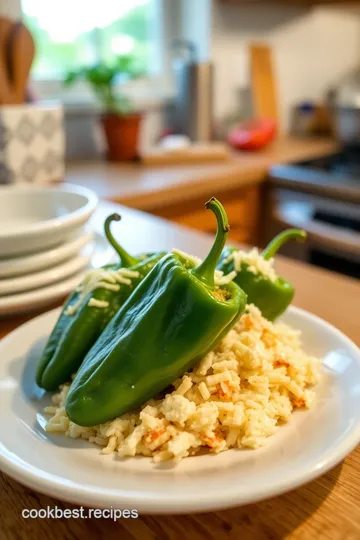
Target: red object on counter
pixel 253 134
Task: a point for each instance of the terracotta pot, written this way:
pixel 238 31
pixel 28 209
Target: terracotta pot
pixel 122 135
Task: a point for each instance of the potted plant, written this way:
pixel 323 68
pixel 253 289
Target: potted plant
pixel 120 122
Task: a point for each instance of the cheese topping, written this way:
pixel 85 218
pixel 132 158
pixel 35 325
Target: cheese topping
pixel 255 262
pixel 192 258
pixel 220 278
pixel 93 302
pixel 100 278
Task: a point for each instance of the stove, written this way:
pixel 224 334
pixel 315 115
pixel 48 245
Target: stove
pixel 342 165
pixel 322 196
pixel 336 174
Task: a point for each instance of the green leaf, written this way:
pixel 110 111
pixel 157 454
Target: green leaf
pixel 101 77
pixel 71 77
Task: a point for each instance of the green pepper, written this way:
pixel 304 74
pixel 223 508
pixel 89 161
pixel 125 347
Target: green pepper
pixel 87 312
pixel 272 297
pixel 175 316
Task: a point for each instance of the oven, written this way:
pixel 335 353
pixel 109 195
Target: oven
pixel 333 228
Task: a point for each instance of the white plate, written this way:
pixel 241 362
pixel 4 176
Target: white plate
pixel 36 218
pixel 73 470
pixel 38 298
pixel 44 259
pixel 46 277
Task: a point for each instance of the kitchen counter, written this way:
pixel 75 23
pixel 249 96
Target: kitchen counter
pixel 326 508
pixel 152 187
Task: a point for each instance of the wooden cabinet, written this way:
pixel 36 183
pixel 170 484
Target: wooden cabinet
pixel 242 207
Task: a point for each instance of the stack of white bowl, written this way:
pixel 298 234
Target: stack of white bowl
pixel 45 246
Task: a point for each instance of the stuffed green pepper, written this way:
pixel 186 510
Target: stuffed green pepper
pixel 271 293
pixel 172 319
pixel 88 310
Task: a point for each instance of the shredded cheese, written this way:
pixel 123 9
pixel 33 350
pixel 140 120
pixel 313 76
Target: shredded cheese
pixel 93 302
pixel 192 258
pixel 254 261
pixel 100 278
pixel 220 278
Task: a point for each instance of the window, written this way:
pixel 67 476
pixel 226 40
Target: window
pixel 71 33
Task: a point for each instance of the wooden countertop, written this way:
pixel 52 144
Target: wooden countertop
pixel 151 187
pixel 326 509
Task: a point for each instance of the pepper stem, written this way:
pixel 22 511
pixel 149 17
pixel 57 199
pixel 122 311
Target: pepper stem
pixel 206 270
pixel 126 259
pixel 290 234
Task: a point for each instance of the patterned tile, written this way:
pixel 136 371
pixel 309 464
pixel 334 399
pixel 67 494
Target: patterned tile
pixel 50 161
pixel 25 130
pixel 48 125
pixel 6 175
pixel 29 168
pixel 5 136
pixel 32 144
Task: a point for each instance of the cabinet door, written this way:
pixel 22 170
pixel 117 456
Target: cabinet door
pixel 242 208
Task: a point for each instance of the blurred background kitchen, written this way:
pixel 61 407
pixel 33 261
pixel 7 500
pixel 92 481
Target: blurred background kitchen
pixel 160 104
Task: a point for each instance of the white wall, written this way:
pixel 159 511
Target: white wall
pixel 195 25
pixel 10 8
pixel 313 48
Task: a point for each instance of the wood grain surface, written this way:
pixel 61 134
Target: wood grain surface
pixel 151 187
pixel 325 509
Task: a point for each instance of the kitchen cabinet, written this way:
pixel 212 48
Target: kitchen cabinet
pixel 178 192
pixel 242 207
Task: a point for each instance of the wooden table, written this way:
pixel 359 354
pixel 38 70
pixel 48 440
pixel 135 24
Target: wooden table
pixel 327 508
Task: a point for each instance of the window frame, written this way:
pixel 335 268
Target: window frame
pixel 151 89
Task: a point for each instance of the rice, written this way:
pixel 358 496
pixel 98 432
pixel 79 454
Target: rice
pixel 235 397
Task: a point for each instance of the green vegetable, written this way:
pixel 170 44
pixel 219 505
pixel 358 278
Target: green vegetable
pixel 175 316
pixel 103 79
pixel 271 297
pixel 87 312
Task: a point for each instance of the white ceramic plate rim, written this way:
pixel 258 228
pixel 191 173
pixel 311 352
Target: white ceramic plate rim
pixel 21 265
pixel 73 217
pixel 53 485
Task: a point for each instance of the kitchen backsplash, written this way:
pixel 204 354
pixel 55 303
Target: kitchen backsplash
pixel 313 49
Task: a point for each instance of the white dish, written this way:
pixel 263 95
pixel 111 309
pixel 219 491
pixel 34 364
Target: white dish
pixel 310 444
pixel 45 259
pixel 39 298
pixel 46 277
pixel 35 218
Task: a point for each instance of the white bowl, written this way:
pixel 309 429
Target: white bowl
pixel 43 278
pixel 48 293
pixel 36 218
pixel 20 266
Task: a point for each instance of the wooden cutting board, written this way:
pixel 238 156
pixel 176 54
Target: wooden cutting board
pixel 263 84
pixel 196 153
